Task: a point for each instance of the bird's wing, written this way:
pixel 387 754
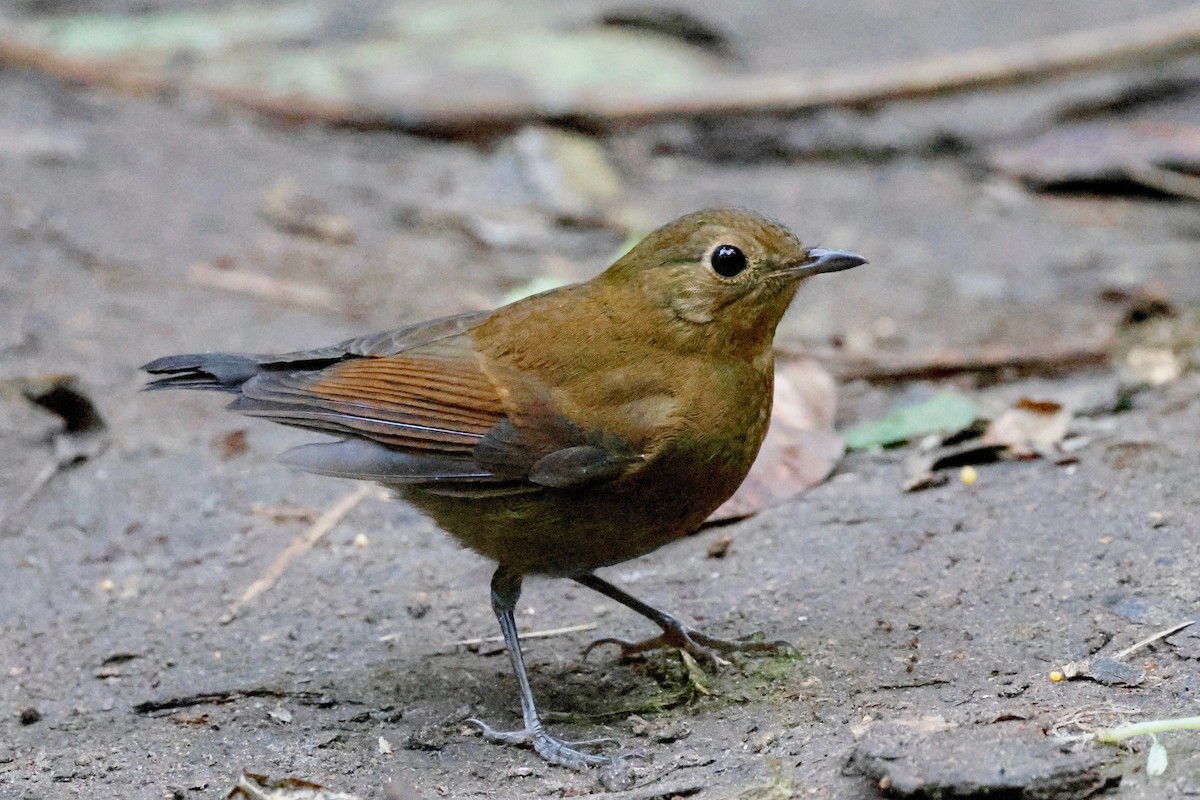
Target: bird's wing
pixel 228 372
pixel 420 406
pixel 387 343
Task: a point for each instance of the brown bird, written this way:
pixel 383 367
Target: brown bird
pixel 568 431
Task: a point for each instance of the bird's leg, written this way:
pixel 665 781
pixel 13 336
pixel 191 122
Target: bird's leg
pixel 506 588
pixel 674 633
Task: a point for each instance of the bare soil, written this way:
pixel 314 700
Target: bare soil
pixel 117 678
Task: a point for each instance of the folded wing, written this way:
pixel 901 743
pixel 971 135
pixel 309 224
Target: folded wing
pixel 417 406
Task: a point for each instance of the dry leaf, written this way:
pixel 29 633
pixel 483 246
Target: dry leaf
pixel 1029 427
pixel 230 445
pixel 259 787
pixel 1153 365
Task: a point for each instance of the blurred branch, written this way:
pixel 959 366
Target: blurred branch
pixel 1150 39
pixel 990 367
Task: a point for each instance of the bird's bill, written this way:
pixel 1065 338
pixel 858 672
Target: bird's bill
pixel 820 260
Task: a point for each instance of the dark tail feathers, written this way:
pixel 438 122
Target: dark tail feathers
pixel 222 372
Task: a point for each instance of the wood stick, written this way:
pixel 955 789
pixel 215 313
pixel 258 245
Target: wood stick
pixel 546 634
pixel 1153 638
pixel 265 287
pixel 298 547
pixel 1054 363
pixel 1147 40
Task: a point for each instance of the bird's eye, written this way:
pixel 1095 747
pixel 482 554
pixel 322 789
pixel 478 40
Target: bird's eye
pixel 727 260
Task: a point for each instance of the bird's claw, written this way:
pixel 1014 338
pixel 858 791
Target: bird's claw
pixel 553 750
pixel 703 648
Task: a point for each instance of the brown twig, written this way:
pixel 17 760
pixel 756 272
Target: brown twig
pixel 298 547
pixel 1150 39
pixel 1004 366
pixel 302 295
pixel 8 518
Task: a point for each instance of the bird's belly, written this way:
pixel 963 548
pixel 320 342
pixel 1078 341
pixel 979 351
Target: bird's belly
pixel 570 532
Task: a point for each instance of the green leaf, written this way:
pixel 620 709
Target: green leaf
pixel 942 413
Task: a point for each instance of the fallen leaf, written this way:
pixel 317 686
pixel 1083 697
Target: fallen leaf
pixel 230 445
pixel 1153 365
pixel 1105 671
pixel 191 719
pixel 942 413
pixel 259 787
pixel 1158 344
pixel 1029 427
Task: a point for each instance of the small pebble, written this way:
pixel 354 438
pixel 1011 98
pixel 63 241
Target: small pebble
pixel 719 548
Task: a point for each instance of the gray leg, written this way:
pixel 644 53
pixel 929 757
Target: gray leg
pixel 674 633
pixel 506 588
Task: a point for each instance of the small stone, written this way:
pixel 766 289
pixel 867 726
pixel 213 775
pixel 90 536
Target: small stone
pixel 764 742
pixel 668 733
pixel 719 548
pixel 30 715
pixel 926 757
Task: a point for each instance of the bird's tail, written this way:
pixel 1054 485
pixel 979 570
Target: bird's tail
pixel 222 372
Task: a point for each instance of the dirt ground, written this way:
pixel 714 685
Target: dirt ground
pixel 906 609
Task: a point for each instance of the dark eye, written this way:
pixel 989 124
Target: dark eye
pixel 727 260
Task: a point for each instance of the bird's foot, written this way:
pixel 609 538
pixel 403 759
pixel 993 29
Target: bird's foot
pixel 553 750
pixel 705 649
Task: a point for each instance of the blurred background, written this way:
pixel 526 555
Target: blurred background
pixel 180 175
